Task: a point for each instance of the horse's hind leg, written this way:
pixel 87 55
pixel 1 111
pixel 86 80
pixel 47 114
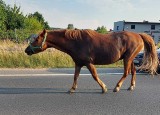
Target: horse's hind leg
pixel 76 75
pixel 133 80
pixel 127 65
pixel 93 71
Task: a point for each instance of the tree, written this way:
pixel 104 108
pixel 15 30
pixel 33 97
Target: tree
pixel 14 18
pixel 13 24
pixel 102 30
pixel 46 25
pixel 37 15
pixel 2 15
pixel 40 18
pixel 70 26
pixel 31 23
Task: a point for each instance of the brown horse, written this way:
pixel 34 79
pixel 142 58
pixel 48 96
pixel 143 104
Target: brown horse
pixel 89 48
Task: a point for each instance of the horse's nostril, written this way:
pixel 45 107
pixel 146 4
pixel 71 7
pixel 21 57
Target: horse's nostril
pixel 25 50
pixel 28 51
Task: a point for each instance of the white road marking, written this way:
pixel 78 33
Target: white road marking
pixel 60 74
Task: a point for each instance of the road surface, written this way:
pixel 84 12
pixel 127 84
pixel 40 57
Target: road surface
pixel 44 92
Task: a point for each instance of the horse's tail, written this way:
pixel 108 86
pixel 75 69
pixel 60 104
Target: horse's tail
pixel 150 58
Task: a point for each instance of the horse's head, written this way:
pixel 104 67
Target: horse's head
pixel 37 43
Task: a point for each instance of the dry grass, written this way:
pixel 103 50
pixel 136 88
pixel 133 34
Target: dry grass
pixel 12 55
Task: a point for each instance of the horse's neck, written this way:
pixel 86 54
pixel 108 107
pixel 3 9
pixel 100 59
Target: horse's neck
pixel 58 42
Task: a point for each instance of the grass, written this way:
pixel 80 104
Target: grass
pixel 12 55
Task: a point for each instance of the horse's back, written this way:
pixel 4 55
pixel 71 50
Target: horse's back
pixel 126 35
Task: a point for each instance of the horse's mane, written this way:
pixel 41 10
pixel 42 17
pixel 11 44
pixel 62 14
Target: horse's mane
pixel 78 34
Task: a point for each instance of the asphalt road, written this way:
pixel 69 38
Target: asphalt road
pixel 44 92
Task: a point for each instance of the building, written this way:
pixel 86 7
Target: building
pixel 151 28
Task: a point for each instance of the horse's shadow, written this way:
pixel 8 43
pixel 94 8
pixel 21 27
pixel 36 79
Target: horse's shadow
pixel 30 90
pixel 48 91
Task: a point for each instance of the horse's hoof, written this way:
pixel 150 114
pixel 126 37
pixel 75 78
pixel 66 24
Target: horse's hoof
pixel 71 91
pixel 116 89
pixel 131 88
pixel 104 90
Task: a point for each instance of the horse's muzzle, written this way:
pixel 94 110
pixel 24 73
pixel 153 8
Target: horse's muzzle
pixel 28 51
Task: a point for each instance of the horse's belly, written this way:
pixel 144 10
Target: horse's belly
pixel 103 60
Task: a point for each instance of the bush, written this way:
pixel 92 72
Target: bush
pixel 33 24
pixel 16 35
pixel 15 25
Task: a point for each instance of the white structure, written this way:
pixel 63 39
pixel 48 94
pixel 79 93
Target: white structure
pixel 151 28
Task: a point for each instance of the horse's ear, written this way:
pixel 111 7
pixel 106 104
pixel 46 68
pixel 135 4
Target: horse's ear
pixel 43 33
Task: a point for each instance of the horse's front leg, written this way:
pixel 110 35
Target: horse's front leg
pixel 76 75
pixel 93 71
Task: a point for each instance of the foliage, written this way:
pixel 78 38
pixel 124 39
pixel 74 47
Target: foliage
pixel 32 24
pixel 16 35
pixel 14 25
pixel 2 15
pixel 70 26
pixel 102 30
pixel 14 18
pixel 40 18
